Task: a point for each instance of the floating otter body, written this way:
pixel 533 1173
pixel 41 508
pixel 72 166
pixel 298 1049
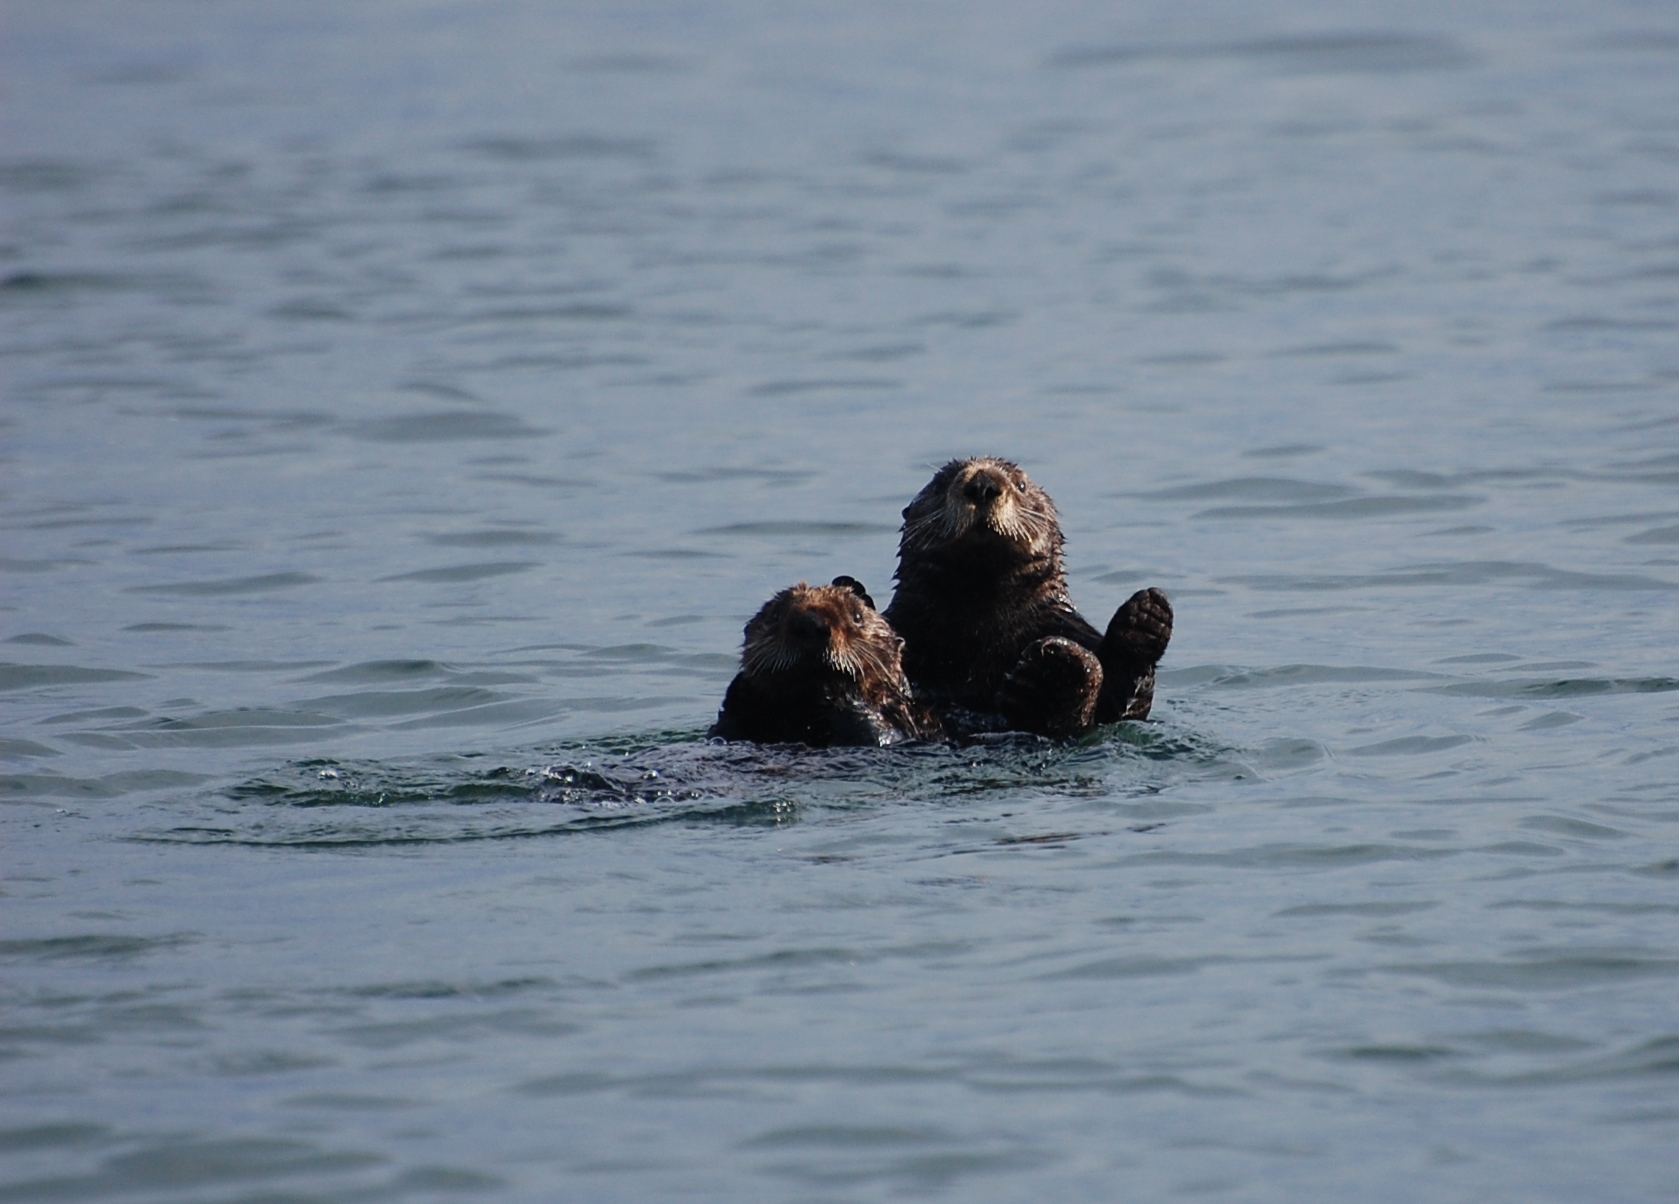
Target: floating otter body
pixel 821 667
pixel 990 636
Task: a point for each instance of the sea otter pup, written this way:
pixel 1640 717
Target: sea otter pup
pixel 820 667
pixel 989 632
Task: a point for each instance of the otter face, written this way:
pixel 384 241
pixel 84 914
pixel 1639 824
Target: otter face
pixel 982 500
pixel 823 627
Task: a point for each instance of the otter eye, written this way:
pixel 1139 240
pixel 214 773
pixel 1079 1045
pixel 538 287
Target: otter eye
pixel 857 615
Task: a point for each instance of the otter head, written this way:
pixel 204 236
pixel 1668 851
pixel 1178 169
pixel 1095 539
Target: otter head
pixel 981 504
pixel 823 628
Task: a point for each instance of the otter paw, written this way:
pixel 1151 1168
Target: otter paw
pixel 1139 631
pixel 1053 689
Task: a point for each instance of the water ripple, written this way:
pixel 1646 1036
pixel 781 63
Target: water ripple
pixel 1357 52
pixel 1459 573
pixel 405 407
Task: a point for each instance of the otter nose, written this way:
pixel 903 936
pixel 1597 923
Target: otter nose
pixel 808 626
pixel 982 488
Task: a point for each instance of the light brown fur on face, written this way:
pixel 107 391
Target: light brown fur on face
pixel 815 627
pixel 983 499
pixel 822 667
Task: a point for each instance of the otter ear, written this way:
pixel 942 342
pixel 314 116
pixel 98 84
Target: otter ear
pixel 856 587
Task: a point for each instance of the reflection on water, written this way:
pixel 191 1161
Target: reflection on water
pixel 405 408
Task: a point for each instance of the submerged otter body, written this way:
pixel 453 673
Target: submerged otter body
pixel 821 667
pixel 991 638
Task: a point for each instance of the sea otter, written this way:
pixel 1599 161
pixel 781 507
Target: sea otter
pixel 991 638
pixel 820 667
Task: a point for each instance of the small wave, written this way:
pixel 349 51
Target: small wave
pixel 1256 489
pixel 1566 687
pixel 798 528
pixel 48 175
pixel 1378 910
pixel 1476 572
pixel 1407 746
pixel 577 146
pixel 1351 53
pixel 1562 972
pixel 789 388
pixel 1375 506
pixel 114 785
pixel 460 574
pixel 445 426
pixel 174 1166
pixel 234 728
pixel 676 778
pixel 97 946
pixel 1231 677
pixel 227 586
pixel 28 677
pixel 1658 1057
pixel 493 538
pixel 385 671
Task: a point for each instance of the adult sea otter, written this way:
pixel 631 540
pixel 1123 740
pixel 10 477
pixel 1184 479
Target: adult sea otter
pixel 991 638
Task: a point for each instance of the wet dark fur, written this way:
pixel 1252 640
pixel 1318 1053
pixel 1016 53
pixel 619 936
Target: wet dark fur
pixel 990 636
pixel 821 666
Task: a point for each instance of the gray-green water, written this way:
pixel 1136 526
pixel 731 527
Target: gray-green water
pixel 405 404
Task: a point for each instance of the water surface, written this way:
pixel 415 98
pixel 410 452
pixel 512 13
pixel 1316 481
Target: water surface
pixel 406 405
